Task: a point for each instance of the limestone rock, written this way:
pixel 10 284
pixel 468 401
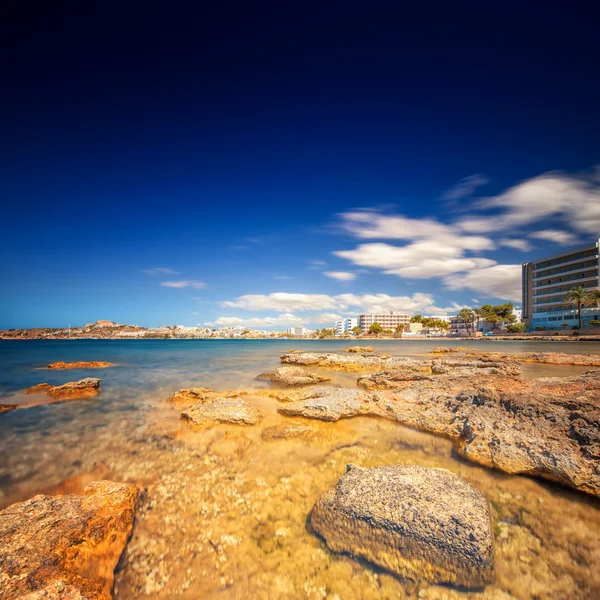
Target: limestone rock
pixel 81 365
pixel 417 522
pixel 65 547
pixel 237 411
pixel 548 358
pixel 292 376
pixel 330 404
pixel 359 349
pixel 84 388
pixel 445 350
pixel 353 362
pixel 7 407
pixel 549 428
pixel 461 367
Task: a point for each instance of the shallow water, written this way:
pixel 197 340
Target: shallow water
pixel 224 513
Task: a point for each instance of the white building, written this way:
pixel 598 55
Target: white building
pixel 389 320
pixel 345 325
pixel 444 318
pixel 297 331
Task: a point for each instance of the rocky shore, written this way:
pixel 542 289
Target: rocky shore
pixel 423 526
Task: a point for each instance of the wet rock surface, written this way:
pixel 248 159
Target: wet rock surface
pixel 235 411
pixel 7 407
pixel 81 365
pixel 290 430
pixel 84 388
pixel 187 397
pixel 352 362
pixel 65 547
pixel 549 428
pixel 419 523
pixel 292 377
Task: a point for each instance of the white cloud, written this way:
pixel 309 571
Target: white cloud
pixel 342 303
pixel 326 318
pixel 184 284
pixel 160 271
pixel 285 320
pixel 499 281
pixel 465 187
pixel 576 200
pixel 340 275
pixel 555 235
pixel 523 245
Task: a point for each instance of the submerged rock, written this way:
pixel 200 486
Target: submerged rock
pixel 81 365
pixel 84 388
pixel 235 411
pixel 445 350
pixel 359 349
pixel 356 362
pixel 420 523
pixel 292 376
pixel 65 547
pixel 194 395
pixel 550 428
pixel 330 404
pixel 287 431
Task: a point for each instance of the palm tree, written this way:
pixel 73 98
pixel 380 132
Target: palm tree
pixel 594 297
pixel 467 316
pixel 579 296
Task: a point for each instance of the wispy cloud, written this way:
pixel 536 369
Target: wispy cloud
pixel 555 235
pixel 465 187
pixel 285 320
pixel 160 271
pixel 184 283
pixel 523 245
pixel 283 277
pixel 340 275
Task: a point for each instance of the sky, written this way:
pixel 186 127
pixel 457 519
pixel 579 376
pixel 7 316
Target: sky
pixel 273 164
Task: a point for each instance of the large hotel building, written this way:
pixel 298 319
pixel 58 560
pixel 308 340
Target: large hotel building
pixel 389 320
pixel 547 280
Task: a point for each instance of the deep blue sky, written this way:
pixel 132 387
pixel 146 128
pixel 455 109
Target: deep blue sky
pixel 223 144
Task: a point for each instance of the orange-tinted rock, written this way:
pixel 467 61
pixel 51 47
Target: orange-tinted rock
pixel 199 395
pixel 84 388
pixel 7 407
pixel 65 547
pixel 81 365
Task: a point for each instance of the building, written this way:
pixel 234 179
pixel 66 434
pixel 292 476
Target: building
pixel 547 280
pixel 297 331
pixel 345 325
pixel 389 320
pixel 444 318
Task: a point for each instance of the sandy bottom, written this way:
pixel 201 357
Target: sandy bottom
pixel 225 514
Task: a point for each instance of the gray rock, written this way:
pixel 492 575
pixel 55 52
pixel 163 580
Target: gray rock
pixel 330 404
pixel 236 411
pixel 417 522
pixel 292 376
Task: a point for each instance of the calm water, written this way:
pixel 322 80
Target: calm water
pixel 224 512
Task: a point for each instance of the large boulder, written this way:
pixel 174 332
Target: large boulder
pixel 292 377
pixel 65 547
pixel 420 523
pixel 330 404
pixel 81 365
pixel 84 388
pixel 548 428
pixel 353 362
pixel 235 411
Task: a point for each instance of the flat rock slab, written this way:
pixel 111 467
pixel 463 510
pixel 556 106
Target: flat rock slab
pixel 548 358
pixel 65 547
pixel 292 377
pixel 236 411
pixel 84 388
pixel 445 350
pixel 419 523
pixel 81 365
pixel 330 404
pixel 353 362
